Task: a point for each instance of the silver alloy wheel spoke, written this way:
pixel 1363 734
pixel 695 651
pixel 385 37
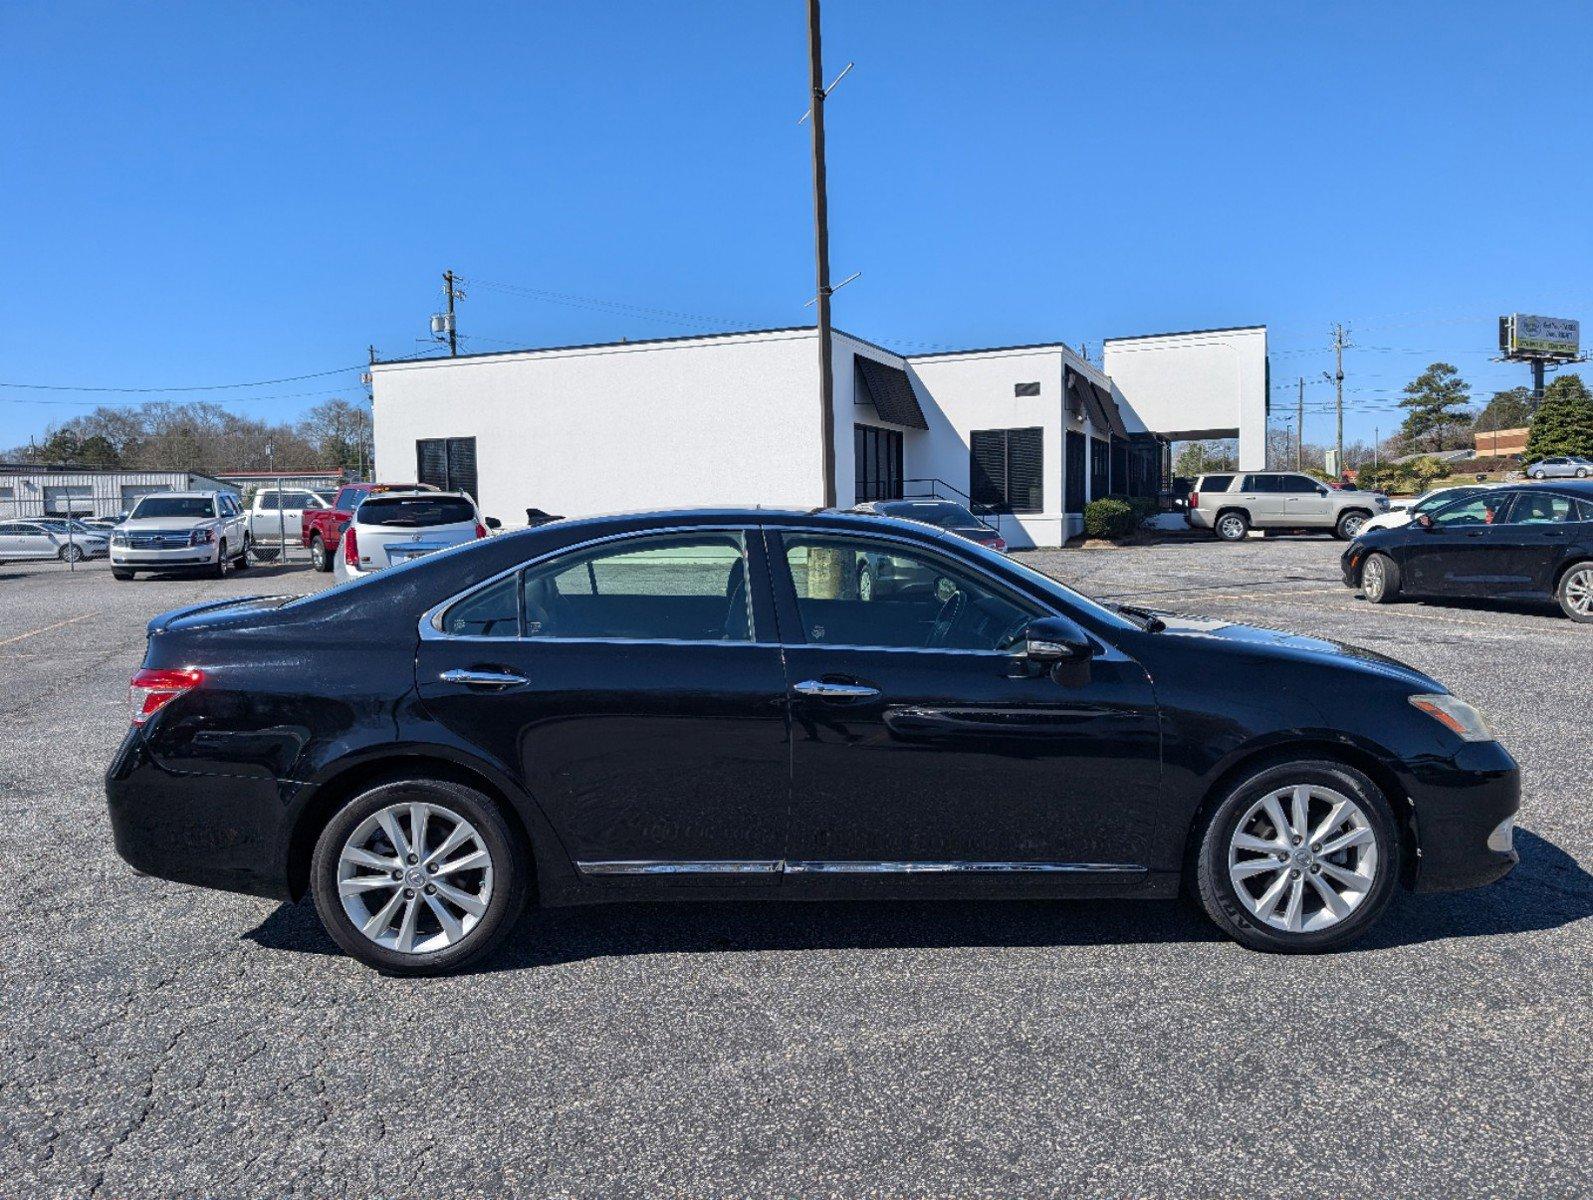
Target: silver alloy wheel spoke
pixel 407 906
pixel 1279 858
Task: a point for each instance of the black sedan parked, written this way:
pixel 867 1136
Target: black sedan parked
pixel 1533 542
pixel 699 704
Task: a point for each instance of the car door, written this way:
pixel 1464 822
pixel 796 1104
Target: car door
pixel 1461 553
pixel 34 541
pixel 12 544
pixel 1305 502
pixel 636 689
pixel 1542 525
pixel 920 743
pixel 1259 494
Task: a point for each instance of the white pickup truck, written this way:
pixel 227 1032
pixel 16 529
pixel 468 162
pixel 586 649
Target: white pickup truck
pixel 175 531
pixel 275 514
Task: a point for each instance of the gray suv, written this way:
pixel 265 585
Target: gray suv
pixel 1234 503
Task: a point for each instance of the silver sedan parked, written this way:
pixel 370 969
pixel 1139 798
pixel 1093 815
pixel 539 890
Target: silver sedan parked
pixel 1561 466
pixel 40 539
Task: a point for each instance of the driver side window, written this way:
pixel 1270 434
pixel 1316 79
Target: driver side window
pixel 859 592
pixel 1481 509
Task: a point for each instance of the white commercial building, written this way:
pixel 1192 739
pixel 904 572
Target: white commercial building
pixel 1030 434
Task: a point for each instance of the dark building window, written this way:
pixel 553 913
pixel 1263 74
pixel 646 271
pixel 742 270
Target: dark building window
pixel 447 463
pixel 1026 389
pixel 1075 472
pixel 1006 469
pixel 877 462
pixel 1100 468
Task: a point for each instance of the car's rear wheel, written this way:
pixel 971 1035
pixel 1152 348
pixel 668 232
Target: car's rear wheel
pixel 243 557
pixel 1380 579
pixel 1299 858
pixel 1581 472
pixel 319 558
pixel 71 553
pixel 1575 592
pixel 1538 475
pixel 1232 526
pixel 1349 525
pixel 418 877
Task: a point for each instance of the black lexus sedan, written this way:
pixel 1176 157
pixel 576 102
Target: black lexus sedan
pixel 1533 542
pixel 699 704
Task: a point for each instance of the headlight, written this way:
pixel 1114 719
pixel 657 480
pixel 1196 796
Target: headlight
pixel 118 539
pixel 1456 716
pixel 200 537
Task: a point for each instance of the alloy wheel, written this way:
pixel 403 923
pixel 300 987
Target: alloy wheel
pixel 415 877
pixel 1578 591
pixel 1303 858
pixel 1351 525
pixel 1373 579
pixel 1231 528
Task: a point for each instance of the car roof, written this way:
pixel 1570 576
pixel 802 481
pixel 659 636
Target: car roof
pixel 182 495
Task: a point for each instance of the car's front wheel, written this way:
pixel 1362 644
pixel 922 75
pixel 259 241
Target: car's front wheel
pixel 71 553
pixel 418 877
pixel 1299 858
pixel 1380 579
pixel 1575 592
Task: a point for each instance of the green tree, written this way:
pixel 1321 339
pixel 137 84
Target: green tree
pixel 1436 406
pixel 1197 458
pixel 1507 410
pixel 1564 421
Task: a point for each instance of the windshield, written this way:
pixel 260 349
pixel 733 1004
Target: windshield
pixel 931 512
pixel 173 506
pixel 412 511
pixel 326 497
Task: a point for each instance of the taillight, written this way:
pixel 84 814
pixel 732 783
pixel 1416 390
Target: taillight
pixel 151 690
pixel 481 530
pixel 351 548
pixel 999 543
pixel 1194 499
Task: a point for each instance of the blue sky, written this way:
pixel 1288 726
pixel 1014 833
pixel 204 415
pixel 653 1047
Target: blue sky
pixel 208 193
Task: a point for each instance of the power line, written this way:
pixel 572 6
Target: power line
pixel 208 387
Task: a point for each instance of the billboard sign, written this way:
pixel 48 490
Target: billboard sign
pixel 1539 337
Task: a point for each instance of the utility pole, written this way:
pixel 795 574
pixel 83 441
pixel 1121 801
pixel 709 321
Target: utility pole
pixel 821 254
pixel 1340 341
pixel 1299 428
pixel 452 293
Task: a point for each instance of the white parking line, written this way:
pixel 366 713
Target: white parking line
pixel 21 637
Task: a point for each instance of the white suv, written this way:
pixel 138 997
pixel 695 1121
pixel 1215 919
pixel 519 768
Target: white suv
pixel 1233 503
pixel 174 531
pixel 390 528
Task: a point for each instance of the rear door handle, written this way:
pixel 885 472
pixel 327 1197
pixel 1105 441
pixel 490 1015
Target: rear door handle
pixel 834 691
pixel 491 679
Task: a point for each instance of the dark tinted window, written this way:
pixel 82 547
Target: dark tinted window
pixel 859 592
pixel 1006 469
pixel 1261 483
pixel 690 587
pixel 938 512
pixel 1214 483
pixel 415 511
pixel 1298 485
pixel 174 506
pixel 494 612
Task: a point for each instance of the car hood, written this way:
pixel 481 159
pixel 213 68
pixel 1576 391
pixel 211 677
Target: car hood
pixel 1279 644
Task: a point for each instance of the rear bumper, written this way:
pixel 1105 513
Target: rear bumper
pixel 223 833
pixel 1197 519
pixel 1458 804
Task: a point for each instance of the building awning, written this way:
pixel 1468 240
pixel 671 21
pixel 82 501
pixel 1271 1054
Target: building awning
pixel 1091 398
pixel 890 391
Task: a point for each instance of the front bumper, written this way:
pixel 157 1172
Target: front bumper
pixel 1459 805
pixel 1350 563
pixel 176 556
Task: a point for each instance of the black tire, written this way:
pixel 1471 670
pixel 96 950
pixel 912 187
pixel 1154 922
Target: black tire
pixel 1581 472
pixel 1575 591
pixel 71 553
pixel 1216 892
pixel 510 876
pixel 242 564
pixel 1231 526
pixel 319 558
pixel 1349 524
pixel 1381 586
pixel 118 573
pixel 1538 475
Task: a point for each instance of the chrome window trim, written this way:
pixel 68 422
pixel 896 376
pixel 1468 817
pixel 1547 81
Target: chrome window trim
pixel 431 620
pixel 739 866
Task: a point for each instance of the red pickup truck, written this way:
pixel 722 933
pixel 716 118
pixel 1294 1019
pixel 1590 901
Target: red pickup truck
pixel 321 529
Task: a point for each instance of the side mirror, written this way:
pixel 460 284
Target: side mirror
pixel 1321 491
pixel 493 523
pixel 1054 640
pixel 1424 520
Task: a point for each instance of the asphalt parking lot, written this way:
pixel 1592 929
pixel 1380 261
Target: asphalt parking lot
pixel 163 1041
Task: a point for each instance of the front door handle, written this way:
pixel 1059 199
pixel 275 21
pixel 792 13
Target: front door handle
pixel 491 679
pixel 834 691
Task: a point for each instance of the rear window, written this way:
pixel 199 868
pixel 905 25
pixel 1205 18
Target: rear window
pixel 173 506
pixel 946 515
pixel 411 512
pixel 1214 483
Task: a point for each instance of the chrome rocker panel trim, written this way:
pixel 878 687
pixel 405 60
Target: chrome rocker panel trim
pixel 849 867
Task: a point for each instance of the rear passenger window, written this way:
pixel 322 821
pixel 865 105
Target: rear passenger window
pixel 1542 508
pixel 493 612
pixel 688 587
pixel 1298 485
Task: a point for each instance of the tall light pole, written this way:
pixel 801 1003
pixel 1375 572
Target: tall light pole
pixel 821 254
